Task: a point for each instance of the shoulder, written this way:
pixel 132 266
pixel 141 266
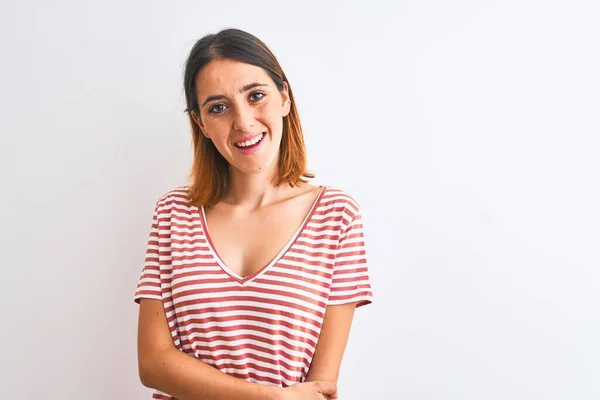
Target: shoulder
pixel 341 198
pixel 338 201
pixel 175 199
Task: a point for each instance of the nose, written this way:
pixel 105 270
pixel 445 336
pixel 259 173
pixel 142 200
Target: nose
pixel 243 119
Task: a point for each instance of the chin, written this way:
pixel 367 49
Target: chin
pixel 256 168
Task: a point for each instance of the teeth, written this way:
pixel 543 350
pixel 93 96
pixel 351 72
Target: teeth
pixel 250 142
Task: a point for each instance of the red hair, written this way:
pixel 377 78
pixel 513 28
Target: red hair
pixel 209 172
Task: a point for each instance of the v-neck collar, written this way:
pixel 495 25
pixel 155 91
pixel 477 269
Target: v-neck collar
pixel 242 280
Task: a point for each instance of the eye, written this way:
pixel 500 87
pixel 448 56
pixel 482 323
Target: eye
pixel 217 108
pixel 256 96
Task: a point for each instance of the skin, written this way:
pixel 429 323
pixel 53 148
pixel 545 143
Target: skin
pixel 240 114
pixel 233 107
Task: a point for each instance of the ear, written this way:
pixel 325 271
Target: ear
pixel 198 121
pixel 287 102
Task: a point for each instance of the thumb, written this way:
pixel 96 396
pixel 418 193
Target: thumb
pixel 327 387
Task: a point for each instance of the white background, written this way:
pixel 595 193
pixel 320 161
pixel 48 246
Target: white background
pixel 467 130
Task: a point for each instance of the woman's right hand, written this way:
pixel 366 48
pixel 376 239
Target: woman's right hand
pixel 318 390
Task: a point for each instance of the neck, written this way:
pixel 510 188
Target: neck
pixel 251 191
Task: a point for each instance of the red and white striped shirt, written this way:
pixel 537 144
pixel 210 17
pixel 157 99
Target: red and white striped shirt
pixel 262 328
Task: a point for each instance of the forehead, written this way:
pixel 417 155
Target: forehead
pixel 228 77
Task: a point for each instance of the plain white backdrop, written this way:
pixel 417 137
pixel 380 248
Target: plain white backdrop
pixel 467 130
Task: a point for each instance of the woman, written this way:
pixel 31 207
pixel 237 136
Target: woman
pixel 252 274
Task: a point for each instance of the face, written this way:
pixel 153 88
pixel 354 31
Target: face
pixel 241 112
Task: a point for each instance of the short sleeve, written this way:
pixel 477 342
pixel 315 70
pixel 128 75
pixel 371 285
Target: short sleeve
pixel 155 279
pixel 351 282
pixel 149 283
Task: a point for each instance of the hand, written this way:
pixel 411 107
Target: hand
pixel 317 390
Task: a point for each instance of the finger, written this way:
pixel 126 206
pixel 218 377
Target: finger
pixel 328 388
pixel 333 396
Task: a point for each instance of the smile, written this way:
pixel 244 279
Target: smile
pixel 250 142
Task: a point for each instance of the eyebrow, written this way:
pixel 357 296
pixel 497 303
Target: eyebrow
pixel 244 88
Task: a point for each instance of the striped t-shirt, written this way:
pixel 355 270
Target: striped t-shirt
pixel 262 328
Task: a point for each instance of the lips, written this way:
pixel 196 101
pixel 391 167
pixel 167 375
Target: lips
pixel 250 141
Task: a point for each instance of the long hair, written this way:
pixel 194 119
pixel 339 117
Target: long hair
pixel 209 172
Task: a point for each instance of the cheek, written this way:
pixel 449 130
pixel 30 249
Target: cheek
pixel 216 128
pixel 272 114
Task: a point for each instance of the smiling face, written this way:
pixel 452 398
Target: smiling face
pixel 241 112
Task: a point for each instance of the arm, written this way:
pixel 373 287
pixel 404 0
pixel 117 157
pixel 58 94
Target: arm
pixel 332 343
pixel 163 367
